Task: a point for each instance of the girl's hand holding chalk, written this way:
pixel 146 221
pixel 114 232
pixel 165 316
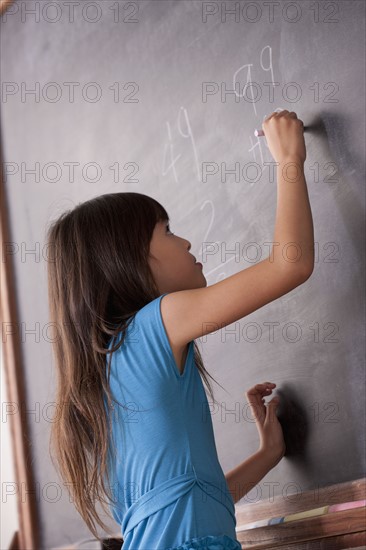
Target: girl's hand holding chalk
pixel 269 428
pixel 285 136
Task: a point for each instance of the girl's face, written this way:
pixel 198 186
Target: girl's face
pixel 172 266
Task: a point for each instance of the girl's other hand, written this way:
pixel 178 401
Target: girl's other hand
pixel 285 136
pixel 270 431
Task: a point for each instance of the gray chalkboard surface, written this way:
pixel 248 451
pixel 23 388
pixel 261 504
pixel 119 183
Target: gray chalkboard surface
pixel 163 98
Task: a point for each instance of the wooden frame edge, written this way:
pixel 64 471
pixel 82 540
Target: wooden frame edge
pixel 28 535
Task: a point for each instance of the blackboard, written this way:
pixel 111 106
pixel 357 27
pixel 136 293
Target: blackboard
pixel 163 97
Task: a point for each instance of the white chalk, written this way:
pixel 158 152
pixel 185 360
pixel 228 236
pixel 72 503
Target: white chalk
pixel 258 133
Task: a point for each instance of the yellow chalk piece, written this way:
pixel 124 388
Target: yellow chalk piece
pixel 306 514
pixel 252 525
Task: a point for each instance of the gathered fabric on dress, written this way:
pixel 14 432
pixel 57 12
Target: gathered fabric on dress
pixel 170 490
pixel 211 542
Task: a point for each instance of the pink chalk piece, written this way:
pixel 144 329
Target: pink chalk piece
pixel 346 505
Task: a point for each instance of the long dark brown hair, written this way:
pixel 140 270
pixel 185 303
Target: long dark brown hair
pixel 98 278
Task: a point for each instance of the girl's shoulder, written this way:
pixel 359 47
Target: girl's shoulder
pixel 146 322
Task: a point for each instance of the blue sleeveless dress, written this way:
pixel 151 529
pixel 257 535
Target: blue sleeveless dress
pixel 170 488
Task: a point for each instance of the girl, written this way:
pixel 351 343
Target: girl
pixel 129 300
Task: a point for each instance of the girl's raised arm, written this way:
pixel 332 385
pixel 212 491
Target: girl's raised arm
pixel 190 314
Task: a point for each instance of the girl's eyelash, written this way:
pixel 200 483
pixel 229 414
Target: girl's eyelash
pixel 169 229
